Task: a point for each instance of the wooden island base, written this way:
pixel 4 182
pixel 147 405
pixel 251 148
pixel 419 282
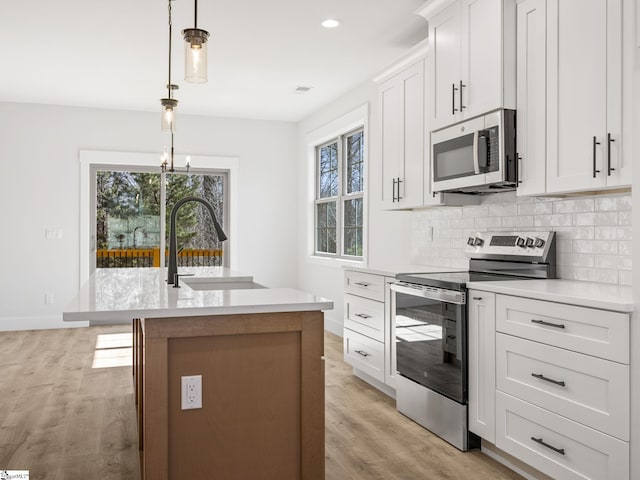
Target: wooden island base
pixel 262 414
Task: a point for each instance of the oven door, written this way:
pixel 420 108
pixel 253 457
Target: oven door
pixel 430 340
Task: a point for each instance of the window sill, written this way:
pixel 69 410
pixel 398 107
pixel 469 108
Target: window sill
pixel 334 262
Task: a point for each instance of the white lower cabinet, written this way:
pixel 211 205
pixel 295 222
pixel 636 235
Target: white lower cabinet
pixel 556 378
pixel 556 446
pixel 368 333
pixel 482 364
pixel 364 353
pixel 586 389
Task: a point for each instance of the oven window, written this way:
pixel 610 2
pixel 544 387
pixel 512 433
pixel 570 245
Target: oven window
pixel 453 158
pixel 429 344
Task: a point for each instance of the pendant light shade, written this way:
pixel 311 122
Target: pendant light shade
pixel 195 55
pixel 168 118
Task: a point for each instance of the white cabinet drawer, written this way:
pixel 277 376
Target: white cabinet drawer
pixel 364 354
pixel 557 446
pixel 364 285
pixel 586 389
pixel 364 316
pixel 595 332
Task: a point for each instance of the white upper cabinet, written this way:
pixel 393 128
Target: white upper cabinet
pixel 532 97
pixel 402 132
pixel 584 75
pixel 472 58
pixel 571 84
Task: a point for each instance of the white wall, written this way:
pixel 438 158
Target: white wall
pixel 389 239
pixel 40 189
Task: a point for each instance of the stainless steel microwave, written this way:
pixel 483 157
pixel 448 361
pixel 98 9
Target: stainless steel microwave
pixel 477 155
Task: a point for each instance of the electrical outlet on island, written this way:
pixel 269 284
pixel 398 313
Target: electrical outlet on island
pixel 191 392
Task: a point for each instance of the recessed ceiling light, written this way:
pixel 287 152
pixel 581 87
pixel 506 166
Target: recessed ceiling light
pixel 330 23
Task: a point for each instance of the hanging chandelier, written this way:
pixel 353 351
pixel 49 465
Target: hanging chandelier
pixel 195 72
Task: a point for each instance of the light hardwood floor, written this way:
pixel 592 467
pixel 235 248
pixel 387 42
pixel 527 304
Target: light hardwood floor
pixel 62 419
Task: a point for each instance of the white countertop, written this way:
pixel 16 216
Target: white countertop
pixel 392 270
pixel 116 294
pixel 596 295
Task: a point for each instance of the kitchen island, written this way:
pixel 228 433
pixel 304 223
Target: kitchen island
pixel 258 351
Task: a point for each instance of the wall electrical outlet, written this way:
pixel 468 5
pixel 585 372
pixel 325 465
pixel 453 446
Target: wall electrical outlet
pixel 191 392
pixel 48 298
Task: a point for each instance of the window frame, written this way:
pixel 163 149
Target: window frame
pixel 342 197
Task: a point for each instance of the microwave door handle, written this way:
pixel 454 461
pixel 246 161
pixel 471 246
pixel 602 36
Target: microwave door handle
pixel 476 165
pixel 483 151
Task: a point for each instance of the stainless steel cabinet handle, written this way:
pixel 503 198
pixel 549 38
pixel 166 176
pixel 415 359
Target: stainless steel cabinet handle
pixel 393 193
pixel 519 168
pixel 594 157
pixel 453 99
pixel 364 354
pixel 362 315
pixel 548 324
pixel 546 379
pixel 477 298
pixel 399 182
pixel 462 107
pixel 361 284
pixel 542 442
pixel 609 140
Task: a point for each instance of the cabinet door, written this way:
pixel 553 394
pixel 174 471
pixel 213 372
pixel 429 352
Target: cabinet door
pixel 619 158
pixel 389 335
pixel 482 364
pixel 444 67
pixel 577 94
pixel 390 101
pixel 411 189
pixel 531 107
pixel 481 83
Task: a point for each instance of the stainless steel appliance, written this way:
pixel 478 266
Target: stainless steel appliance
pixel 476 155
pixel 430 322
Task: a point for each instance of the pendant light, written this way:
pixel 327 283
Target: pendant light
pixel 169 104
pixel 195 51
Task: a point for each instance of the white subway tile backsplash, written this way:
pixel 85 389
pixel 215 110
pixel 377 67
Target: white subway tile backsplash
pixel 619 262
pixel 595 246
pixel 574 206
pixel 557 220
pixel 599 218
pixel 594 234
pixel 486 222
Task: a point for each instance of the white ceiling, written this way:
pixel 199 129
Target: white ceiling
pixel 113 54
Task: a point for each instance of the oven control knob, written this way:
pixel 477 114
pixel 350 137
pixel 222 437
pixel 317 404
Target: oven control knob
pixel 479 242
pixel 520 242
pixel 471 241
pixel 529 242
pixel 539 243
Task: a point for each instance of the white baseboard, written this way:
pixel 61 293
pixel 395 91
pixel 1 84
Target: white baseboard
pixel 333 325
pixel 37 323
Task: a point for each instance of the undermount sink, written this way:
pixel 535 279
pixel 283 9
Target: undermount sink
pixel 219 284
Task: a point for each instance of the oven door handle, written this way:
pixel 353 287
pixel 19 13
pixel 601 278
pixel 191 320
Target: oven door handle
pixel 431 293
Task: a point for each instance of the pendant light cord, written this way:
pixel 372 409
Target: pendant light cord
pixel 195 14
pixel 169 84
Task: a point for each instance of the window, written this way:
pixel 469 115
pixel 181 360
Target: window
pixel 339 199
pixel 129 208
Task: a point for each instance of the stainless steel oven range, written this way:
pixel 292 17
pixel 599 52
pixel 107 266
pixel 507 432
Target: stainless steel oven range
pixel 430 322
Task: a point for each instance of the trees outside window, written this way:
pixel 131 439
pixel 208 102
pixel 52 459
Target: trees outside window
pixel 128 212
pixel 339 200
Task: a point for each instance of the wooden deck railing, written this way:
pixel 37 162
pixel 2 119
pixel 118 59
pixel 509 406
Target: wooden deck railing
pixel 150 257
